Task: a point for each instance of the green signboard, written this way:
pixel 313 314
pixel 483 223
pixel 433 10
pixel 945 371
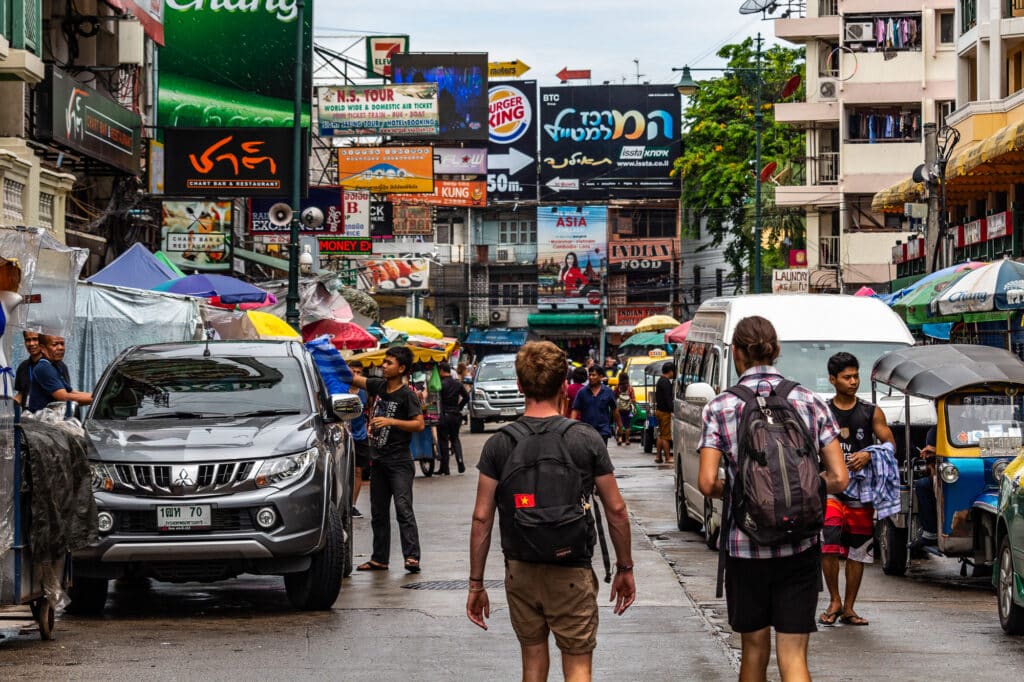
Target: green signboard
pixel 232 64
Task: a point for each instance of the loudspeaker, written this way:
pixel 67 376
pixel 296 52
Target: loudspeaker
pixel 280 215
pixel 312 217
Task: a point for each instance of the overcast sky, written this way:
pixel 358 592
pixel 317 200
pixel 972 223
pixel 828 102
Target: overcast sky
pixel 602 35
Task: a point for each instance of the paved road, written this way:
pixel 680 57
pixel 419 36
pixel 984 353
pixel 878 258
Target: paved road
pixel 933 625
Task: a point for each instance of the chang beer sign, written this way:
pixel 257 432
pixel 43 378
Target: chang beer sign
pixel 231 63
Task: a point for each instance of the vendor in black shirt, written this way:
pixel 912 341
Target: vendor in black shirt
pixel 396 415
pixel 23 375
pixel 454 398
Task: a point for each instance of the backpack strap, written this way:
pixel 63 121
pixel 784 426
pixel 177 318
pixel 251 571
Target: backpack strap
pixel 784 388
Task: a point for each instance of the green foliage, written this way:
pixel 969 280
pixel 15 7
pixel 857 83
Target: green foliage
pixel 717 165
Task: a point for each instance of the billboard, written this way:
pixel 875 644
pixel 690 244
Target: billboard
pixel 196 234
pixel 386 169
pixel 448 193
pixel 394 275
pixel 460 161
pixel 791 281
pixel 379 50
pixel 409 110
pixel 512 142
pixel 327 199
pixel 461 89
pixel 413 220
pixel 341 246
pixel 609 141
pixel 571 255
pixel 651 256
pixel 382 220
pixel 232 63
pixel 227 161
pixel 356 213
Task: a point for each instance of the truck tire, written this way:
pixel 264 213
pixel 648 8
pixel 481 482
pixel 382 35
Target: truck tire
pixel 892 547
pixel 1011 616
pixel 88 595
pixel 683 520
pixel 317 588
pixel 476 425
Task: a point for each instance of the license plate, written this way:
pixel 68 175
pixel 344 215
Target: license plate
pixel 508 412
pixel 184 517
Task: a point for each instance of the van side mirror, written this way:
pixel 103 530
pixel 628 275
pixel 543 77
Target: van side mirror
pixel 346 406
pixel 699 393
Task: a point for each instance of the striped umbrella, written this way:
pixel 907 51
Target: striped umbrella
pixel 998 285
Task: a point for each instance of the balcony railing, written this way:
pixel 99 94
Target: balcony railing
pixel 1015 8
pixel 968 15
pixel 825 168
pixel 828 252
pixel 828 8
pixel 21 22
pixel 508 254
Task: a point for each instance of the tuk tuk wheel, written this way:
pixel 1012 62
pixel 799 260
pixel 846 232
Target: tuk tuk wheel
pixel 1011 616
pixel 892 547
pixel 44 615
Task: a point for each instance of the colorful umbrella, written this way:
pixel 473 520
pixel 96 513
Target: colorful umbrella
pixel 645 339
pixel 914 306
pixel 998 285
pixel 678 335
pixel 344 335
pixel 228 290
pixel 269 326
pixel 414 327
pixel 656 323
pixel 865 291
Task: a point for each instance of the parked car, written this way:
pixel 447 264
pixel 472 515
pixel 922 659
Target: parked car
pixel 495 396
pixel 1008 575
pixel 210 460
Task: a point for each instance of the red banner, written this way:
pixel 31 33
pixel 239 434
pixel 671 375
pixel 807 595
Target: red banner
pixel 632 314
pixel 448 193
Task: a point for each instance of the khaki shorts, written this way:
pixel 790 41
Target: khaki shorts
pixel 664 424
pixel 559 599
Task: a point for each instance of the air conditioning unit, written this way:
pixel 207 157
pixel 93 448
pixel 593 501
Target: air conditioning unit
pixel 505 255
pixel 859 32
pixel 828 89
pixel 499 316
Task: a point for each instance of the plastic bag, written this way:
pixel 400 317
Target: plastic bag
pixel 434 385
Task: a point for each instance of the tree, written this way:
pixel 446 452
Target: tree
pixel 717 165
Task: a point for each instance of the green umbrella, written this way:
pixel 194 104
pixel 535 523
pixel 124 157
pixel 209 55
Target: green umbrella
pixel 915 306
pixel 645 339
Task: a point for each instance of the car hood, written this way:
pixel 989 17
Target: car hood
pixel 181 441
pixel 497 386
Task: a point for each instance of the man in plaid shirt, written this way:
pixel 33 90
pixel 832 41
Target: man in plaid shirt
pixel 768 586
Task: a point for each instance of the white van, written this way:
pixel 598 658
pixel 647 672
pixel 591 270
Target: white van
pixel 811 329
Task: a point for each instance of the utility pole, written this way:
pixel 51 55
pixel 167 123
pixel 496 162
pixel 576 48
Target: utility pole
pixel 292 298
pixel 638 74
pixel 758 130
pixel 931 232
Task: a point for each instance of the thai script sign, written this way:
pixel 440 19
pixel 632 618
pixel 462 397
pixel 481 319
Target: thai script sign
pixel 386 169
pixel 397 110
pixel 227 161
pixel 791 281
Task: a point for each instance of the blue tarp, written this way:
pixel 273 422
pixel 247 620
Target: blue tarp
pixel 496 337
pixel 136 268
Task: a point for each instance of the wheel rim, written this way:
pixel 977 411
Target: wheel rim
pixel 1005 583
pixel 708 511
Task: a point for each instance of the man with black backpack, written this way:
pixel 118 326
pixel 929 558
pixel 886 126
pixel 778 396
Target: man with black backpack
pixel 781 456
pixel 540 473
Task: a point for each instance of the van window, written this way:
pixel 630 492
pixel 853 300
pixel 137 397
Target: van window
pixel 711 368
pixel 691 368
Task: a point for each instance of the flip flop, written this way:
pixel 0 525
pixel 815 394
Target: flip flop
pixel 412 565
pixel 829 617
pixel 853 619
pixel 372 566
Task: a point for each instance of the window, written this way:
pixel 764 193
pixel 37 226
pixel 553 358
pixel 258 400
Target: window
pixel 945 22
pixel 517 232
pixel 888 32
pixel 513 293
pixel 884 124
pixel 943 108
pixel 444 231
pixel 14 209
pixel 46 210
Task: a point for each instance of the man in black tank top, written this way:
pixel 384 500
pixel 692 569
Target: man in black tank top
pixel 849 523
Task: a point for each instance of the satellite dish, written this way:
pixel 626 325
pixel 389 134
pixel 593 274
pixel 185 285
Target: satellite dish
pixel 766 172
pixel 791 86
pixel 755 6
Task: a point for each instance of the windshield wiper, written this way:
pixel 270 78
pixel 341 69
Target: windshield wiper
pixel 178 415
pixel 268 413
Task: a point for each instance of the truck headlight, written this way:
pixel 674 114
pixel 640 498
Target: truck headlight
pixel 285 470
pixel 949 473
pixel 479 394
pixel 102 476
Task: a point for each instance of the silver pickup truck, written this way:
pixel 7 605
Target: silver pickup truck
pixel 495 396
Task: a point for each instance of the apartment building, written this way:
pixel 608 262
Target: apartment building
pixel 877 70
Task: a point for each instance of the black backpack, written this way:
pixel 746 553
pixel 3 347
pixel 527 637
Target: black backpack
pixel 545 514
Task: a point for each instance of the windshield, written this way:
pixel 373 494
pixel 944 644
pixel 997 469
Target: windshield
pixel 194 388
pixel 497 371
pixel 973 416
pixel 636 375
pixel 806 362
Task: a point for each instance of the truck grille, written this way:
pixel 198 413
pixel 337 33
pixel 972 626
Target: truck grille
pixel 144 522
pixel 181 480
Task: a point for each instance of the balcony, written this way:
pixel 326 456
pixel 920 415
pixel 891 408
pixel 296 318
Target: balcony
pixel 968 15
pixel 21 29
pixel 506 254
pixel 828 252
pixel 828 8
pixel 823 169
pixel 802 29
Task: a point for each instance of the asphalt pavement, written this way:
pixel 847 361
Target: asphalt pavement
pixel 931 625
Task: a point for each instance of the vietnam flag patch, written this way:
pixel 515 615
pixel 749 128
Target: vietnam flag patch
pixel 523 500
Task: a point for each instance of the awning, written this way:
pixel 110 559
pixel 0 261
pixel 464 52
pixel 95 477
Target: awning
pixel 656 339
pixel 891 199
pixel 563 320
pixel 496 337
pixel 261 259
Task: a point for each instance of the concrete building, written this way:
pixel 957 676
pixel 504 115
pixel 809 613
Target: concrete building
pixel 877 70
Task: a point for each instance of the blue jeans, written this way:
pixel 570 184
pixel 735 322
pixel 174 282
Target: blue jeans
pixel 927 507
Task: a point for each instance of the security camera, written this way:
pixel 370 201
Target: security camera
pixel 312 217
pixel 306 258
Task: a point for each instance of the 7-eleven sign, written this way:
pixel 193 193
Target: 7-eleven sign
pixel 378 53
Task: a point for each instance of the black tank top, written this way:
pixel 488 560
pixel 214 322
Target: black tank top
pixel 855 426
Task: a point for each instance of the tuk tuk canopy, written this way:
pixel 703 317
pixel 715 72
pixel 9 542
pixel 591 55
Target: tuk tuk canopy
pixel 934 371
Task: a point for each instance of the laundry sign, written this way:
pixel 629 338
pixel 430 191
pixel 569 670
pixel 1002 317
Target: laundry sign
pixel 791 281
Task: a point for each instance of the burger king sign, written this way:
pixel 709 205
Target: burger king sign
pixel 512 150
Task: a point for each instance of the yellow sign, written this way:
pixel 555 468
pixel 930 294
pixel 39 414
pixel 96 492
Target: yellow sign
pixel 656 353
pixel 512 69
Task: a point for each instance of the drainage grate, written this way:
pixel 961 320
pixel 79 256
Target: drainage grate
pixel 450 585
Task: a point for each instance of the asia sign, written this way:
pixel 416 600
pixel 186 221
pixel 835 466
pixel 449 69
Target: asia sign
pixel 195 234
pixel 386 169
pixel 327 199
pixel 461 89
pixel 232 64
pixel 571 255
pixel 609 141
pixel 448 193
pixel 641 255
pixel 512 141
pixel 379 50
pixel 397 110
pixel 227 161
pixel 73 114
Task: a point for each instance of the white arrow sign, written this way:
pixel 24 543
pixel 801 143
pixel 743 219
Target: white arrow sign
pixel 558 184
pixel 514 161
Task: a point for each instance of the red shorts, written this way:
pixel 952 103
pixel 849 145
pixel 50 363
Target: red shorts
pixel 849 531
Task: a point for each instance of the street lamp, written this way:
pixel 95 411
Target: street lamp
pixel 292 298
pixel 687 87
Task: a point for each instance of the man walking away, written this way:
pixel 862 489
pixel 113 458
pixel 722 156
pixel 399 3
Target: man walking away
pixel 664 404
pixel 396 415
pixel 454 398
pixel 768 585
pixel 360 439
pixel 554 591
pixel 849 523
pixel 595 405
pixel 579 380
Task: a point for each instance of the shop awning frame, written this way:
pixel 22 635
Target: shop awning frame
pixel 564 321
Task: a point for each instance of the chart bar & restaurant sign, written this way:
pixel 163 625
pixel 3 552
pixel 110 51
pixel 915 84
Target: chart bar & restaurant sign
pixel 227 161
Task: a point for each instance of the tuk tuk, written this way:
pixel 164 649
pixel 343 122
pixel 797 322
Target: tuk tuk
pixel 639 369
pixel 977 391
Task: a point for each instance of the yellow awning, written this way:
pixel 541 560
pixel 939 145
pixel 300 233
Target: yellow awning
pixel 892 198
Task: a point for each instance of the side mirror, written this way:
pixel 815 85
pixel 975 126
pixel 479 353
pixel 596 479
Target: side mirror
pixel 346 406
pixel 699 393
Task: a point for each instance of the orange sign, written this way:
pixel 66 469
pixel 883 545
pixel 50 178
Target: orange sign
pixel 387 169
pixel 448 193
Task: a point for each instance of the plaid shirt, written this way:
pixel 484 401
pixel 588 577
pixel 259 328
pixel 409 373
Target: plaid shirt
pixel 721 422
